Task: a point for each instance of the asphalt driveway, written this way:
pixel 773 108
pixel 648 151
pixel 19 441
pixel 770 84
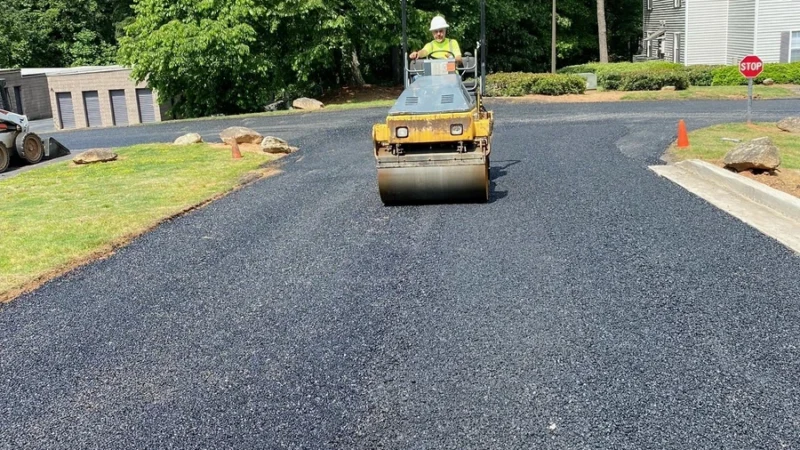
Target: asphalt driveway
pixel 590 304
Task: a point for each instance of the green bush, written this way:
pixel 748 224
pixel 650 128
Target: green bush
pixel 560 85
pixel 653 81
pixel 781 73
pixel 700 75
pixel 510 84
pixel 609 81
pixel 516 84
pixel 621 67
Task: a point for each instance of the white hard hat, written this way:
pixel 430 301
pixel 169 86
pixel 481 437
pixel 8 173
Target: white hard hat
pixel 438 23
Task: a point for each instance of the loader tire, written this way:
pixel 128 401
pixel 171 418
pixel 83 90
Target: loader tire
pixel 5 158
pixel 32 148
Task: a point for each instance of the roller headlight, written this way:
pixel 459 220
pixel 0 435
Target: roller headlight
pixel 402 132
pixel 456 129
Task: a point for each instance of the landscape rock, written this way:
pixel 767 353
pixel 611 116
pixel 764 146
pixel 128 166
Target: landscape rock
pixel 272 144
pixel 273 106
pixel 758 154
pixel 186 139
pixel 768 82
pixel 93 156
pixel 307 103
pixel 790 124
pixel 668 88
pixel 242 135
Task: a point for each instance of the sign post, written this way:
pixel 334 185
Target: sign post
pixel 750 67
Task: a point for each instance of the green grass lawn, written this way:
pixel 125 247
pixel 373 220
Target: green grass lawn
pixel 713 93
pixel 707 143
pixel 59 215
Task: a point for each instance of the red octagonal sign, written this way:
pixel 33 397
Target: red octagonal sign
pixel 751 66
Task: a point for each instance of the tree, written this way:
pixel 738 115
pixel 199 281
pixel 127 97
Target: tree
pixel 601 30
pixel 59 33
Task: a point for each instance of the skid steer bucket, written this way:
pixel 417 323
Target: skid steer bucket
pixel 53 148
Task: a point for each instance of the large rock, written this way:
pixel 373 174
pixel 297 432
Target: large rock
pixel 242 135
pixel 94 156
pixel 307 103
pixel 768 82
pixel 271 144
pixel 760 154
pixel 790 124
pixel 186 139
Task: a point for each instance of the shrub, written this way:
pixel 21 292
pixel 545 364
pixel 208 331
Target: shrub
pixel 509 84
pixel 560 85
pixel 653 81
pixel 700 75
pixel 621 67
pixel 781 73
pixel 609 81
pixel 515 84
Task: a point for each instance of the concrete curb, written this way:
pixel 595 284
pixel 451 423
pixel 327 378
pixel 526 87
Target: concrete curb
pixel 774 213
pixel 783 203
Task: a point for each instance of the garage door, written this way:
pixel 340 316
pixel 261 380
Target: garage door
pixel 119 107
pixel 65 111
pixel 91 104
pixel 146 111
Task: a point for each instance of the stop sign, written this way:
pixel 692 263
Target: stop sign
pixel 751 66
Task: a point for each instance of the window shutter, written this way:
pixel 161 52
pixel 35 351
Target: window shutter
pixel 785 38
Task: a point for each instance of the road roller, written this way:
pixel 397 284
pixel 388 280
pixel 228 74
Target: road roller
pixel 435 143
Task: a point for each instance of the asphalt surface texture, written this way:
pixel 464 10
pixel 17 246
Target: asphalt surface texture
pixel 589 304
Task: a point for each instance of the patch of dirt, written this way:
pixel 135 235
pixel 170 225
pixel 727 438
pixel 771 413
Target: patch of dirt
pixel 355 94
pixel 786 180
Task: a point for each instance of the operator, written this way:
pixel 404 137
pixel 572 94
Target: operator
pixel 442 46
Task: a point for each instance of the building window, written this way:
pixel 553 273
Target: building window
pixel 649 5
pixel 677 3
pixel 676 47
pixel 794 47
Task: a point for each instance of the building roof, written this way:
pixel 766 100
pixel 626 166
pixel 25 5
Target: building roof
pixel 56 71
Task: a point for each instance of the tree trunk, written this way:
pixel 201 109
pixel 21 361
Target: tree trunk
pixel 601 30
pixel 358 79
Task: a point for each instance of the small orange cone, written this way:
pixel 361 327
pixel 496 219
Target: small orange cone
pixel 683 137
pixel 235 153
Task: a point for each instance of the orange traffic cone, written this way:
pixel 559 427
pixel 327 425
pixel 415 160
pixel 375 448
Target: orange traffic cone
pixel 683 137
pixel 235 153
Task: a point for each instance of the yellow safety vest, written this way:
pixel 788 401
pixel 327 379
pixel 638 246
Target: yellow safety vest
pixel 448 44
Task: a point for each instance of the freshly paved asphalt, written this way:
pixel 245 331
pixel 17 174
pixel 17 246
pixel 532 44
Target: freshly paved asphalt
pixel 590 304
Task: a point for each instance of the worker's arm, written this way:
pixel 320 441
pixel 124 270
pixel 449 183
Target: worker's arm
pixel 457 52
pixel 421 53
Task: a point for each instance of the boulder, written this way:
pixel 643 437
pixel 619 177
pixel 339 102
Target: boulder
pixel 307 103
pixel 93 156
pixel 273 106
pixel 242 135
pixel 768 82
pixel 186 139
pixel 272 144
pixel 668 88
pixel 759 154
pixel 790 124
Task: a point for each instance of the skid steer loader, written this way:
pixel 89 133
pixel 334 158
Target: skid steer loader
pixel 435 143
pixel 16 137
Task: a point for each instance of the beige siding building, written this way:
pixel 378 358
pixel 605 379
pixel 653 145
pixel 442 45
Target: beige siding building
pixel 98 96
pixel 28 94
pixel 82 97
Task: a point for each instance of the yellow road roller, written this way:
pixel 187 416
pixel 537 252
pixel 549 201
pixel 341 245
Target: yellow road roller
pixel 435 143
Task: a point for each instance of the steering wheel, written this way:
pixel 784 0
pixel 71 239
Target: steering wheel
pixel 428 56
